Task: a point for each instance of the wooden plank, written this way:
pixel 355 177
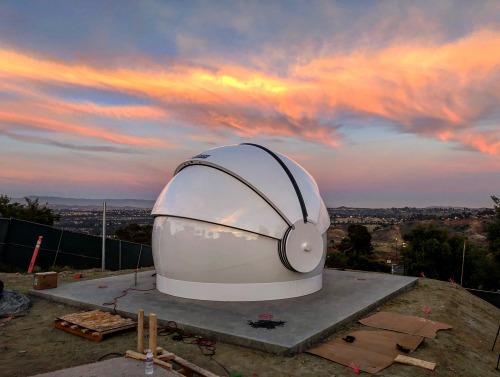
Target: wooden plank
pixel 119 328
pixel 185 372
pixel 153 333
pixel 97 320
pixel 75 323
pixel 192 367
pixel 187 368
pixel 140 331
pixel 140 356
pixel 176 373
pixel 415 362
pixel 166 356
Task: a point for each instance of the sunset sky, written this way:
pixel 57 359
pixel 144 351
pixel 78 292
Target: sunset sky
pixel 385 103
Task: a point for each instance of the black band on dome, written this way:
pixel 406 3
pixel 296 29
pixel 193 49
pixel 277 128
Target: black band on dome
pixel 290 176
pixel 282 251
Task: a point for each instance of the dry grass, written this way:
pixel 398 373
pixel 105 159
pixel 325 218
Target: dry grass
pixel 31 345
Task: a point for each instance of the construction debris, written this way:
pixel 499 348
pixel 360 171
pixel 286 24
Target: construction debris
pixel 371 351
pixel 93 325
pixel 13 302
pixel 415 362
pixel 185 368
pixel 405 324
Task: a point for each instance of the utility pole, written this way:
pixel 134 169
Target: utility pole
pixel 396 250
pixel 463 262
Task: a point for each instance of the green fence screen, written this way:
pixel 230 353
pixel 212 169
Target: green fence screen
pixel 63 248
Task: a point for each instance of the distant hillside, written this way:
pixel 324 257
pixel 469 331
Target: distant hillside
pixel 57 202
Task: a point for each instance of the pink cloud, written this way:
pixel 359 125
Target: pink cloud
pixel 439 91
pixel 40 123
pixel 118 112
pixel 31 97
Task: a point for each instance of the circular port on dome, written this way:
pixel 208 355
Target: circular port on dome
pixel 304 247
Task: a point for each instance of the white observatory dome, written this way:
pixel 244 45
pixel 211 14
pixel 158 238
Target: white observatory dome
pixel 240 223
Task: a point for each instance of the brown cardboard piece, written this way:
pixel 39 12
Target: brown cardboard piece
pixel 45 280
pixel 405 324
pixel 372 351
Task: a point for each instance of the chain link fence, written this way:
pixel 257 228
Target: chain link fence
pixel 63 248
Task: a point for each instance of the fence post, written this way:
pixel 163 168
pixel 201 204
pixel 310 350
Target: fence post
pixel 103 262
pixel 120 255
pixel 58 246
pixel 139 259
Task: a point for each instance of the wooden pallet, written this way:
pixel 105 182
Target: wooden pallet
pixel 93 325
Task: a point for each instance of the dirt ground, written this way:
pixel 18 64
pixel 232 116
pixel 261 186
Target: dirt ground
pixel 29 343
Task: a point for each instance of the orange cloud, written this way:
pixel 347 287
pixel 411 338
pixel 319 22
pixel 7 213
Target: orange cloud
pixel 231 94
pixel 438 91
pixel 429 90
pixel 68 128
pixel 481 143
pixel 119 112
pixel 35 98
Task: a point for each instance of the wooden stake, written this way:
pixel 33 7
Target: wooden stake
pixel 140 331
pixel 415 362
pixel 153 333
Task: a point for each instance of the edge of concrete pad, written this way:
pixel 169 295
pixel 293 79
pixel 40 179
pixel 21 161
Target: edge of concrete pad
pixel 313 340
pixel 248 342
pixel 46 295
pixel 308 342
pixel 127 367
pixel 69 301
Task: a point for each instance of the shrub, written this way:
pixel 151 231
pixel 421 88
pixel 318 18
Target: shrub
pixel 336 260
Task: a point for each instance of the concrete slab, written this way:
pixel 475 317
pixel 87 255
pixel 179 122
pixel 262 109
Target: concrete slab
pixel 124 366
pixel 345 297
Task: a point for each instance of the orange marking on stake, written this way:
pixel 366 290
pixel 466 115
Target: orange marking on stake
pixel 35 253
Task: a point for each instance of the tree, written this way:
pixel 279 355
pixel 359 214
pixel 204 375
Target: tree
pixel 433 251
pixel 356 251
pixel 8 209
pixel 135 233
pixel 492 230
pixel 487 272
pixel 439 255
pixel 31 211
pixel 359 239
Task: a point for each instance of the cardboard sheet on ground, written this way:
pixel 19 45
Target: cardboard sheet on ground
pixel 371 351
pixel 405 324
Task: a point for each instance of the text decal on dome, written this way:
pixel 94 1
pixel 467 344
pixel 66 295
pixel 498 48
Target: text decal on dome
pixel 201 156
